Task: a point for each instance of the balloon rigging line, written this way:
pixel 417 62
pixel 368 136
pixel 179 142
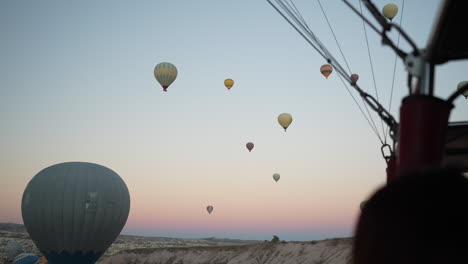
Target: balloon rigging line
pixel 386 27
pixel 292 11
pixel 310 42
pixel 310 38
pixel 334 36
pixel 372 68
pixel 394 64
pixel 325 53
pixel 372 123
pixel 360 109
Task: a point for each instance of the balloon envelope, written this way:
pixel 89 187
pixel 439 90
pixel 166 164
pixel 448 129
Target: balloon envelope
pixel 250 146
pixel 276 176
pixel 74 211
pixel 354 77
pixel 165 74
pixel 209 208
pixel 228 83
pixel 326 70
pixel 285 120
pixel 460 85
pixel 390 11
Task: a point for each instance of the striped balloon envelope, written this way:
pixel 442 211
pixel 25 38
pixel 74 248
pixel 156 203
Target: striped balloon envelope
pixel 326 70
pixel 165 74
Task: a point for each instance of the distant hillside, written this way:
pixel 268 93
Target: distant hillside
pixel 12 227
pixel 330 251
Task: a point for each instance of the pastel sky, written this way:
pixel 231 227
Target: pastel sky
pixel 77 84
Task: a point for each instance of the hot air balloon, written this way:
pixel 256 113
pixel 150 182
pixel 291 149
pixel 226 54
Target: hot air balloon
pixel 209 208
pixel 250 146
pixel 460 85
pixel 73 211
pixel 285 120
pixel 354 78
pixel 326 70
pixel 228 83
pixel 165 73
pixel 390 11
pixel 276 177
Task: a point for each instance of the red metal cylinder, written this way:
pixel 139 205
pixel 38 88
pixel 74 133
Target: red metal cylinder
pixel 423 127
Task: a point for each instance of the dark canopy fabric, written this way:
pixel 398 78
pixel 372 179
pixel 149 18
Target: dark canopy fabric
pixel 448 39
pixel 456 147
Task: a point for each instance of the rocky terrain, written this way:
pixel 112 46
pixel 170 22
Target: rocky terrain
pixel 137 249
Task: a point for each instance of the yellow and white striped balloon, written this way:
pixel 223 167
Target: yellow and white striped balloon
pixel 165 74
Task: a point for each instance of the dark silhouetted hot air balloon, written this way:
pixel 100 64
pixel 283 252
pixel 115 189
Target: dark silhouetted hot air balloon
pixel 460 85
pixel 390 11
pixel 73 211
pixel 209 208
pixel 285 120
pixel 229 83
pixel 250 146
pixel 165 73
pixel 354 78
pixel 326 70
pixel 276 177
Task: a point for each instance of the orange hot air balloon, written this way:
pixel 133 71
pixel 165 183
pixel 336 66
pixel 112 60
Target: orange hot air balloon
pixel 326 70
pixel 228 83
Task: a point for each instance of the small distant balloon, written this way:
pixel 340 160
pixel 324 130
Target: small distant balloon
pixel 354 78
pixel 390 11
pixel 276 177
pixel 460 85
pixel 165 74
pixel 209 208
pixel 285 120
pixel 326 70
pixel 229 83
pixel 250 146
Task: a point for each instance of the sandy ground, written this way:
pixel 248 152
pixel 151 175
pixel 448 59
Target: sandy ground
pixel 149 250
pixel 331 251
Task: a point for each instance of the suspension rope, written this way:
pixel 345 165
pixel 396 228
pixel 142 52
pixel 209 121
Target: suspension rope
pixel 394 65
pixel 310 37
pixel 371 120
pixel 360 109
pixel 372 68
pixel 310 42
pixel 334 36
